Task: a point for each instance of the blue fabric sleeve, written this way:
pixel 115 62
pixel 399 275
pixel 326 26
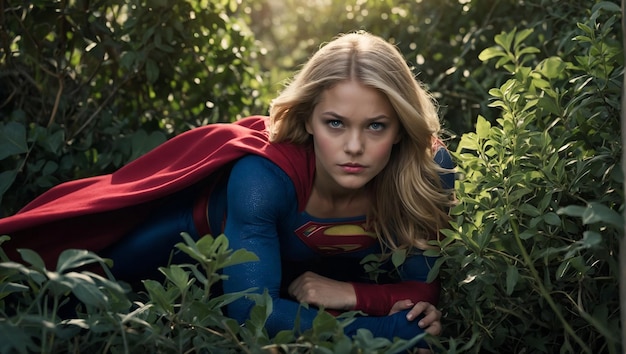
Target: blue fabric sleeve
pixel 443 159
pixel 260 196
pixel 416 267
pixel 388 327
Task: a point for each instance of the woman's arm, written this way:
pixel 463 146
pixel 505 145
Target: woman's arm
pixel 373 299
pixel 378 299
pixel 259 197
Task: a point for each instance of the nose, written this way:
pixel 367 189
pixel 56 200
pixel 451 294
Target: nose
pixel 354 143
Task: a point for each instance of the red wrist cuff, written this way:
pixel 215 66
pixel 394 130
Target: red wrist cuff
pixel 377 299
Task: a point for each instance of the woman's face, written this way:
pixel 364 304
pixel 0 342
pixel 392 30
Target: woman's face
pixel 354 128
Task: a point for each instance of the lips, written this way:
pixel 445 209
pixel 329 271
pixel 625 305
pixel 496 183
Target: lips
pixel 352 167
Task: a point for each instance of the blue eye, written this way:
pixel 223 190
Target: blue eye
pixel 377 126
pixel 334 123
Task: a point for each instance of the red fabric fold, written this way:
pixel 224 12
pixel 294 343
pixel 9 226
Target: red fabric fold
pixel 94 213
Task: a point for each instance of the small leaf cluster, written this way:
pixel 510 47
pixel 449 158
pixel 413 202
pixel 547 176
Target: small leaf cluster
pixel 529 263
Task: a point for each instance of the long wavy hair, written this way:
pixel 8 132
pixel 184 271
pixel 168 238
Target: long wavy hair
pixel 408 204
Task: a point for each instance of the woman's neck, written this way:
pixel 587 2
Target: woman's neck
pixel 325 203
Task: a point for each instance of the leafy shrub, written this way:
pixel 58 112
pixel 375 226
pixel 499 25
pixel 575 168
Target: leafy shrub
pixel 71 309
pixel 440 39
pixel 88 86
pixel 530 262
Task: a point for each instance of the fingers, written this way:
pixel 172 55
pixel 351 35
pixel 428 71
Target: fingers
pixel 418 309
pixel 302 287
pixel 431 322
pixel 317 290
pixel 401 306
pixel 434 328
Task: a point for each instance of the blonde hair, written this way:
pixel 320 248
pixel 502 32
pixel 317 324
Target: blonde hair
pixel 408 204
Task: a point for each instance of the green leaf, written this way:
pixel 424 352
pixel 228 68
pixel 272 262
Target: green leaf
pixel 552 67
pixel 85 289
pixel 483 127
pixel 284 337
pixel 597 212
pixel 552 219
pixel 54 142
pixel 607 6
pixel 512 277
pixel 205 245
pixel 152 70
pixel 7 288
pixel 521 36
pixel 14 339
pixel 572 210
pixel 591 239
pixel 258 315
pixel 127 60
pixel 240 256
pixel 398 257
pixel 490 53
pixel 32 258
pixel 324 323
pixel 529 209
pixel 72 259
pixel 158 295
pixel 505 39
pixel 434 271
pixel 191 248
pixel 177 275
pixel 49 168
pixel 12 139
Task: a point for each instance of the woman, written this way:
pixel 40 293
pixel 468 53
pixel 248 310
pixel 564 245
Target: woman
pixel 347 165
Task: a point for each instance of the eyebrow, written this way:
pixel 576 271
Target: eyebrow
pixel 339 116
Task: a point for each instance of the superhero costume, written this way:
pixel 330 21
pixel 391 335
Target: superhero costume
pixel 264 214
pixel 94 213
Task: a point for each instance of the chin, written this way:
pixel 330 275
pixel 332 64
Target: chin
pixel 352 184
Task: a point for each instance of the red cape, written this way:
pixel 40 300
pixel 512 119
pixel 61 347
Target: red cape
pixel 93 213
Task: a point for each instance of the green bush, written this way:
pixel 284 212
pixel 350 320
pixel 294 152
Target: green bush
pixel 69 310
pixel 530 262
pixel 87 86
pixel 440 39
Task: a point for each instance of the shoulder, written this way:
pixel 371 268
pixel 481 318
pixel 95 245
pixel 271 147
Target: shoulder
pixel 259 190
pixel 443 158
pixel 258 167
pixel 259 175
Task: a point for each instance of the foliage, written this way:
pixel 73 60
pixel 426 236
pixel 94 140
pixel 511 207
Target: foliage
pixel 71 309
pixel 530 262
pixel 440 39
pixel 87 86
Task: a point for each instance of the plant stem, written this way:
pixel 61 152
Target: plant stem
pixel 544 292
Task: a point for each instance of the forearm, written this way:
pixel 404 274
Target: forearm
pixel 377 299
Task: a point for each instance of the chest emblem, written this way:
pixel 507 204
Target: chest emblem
pixel 335 238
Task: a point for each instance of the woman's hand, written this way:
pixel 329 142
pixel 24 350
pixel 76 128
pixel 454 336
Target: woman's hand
pixel 320 291
pixel 431 322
